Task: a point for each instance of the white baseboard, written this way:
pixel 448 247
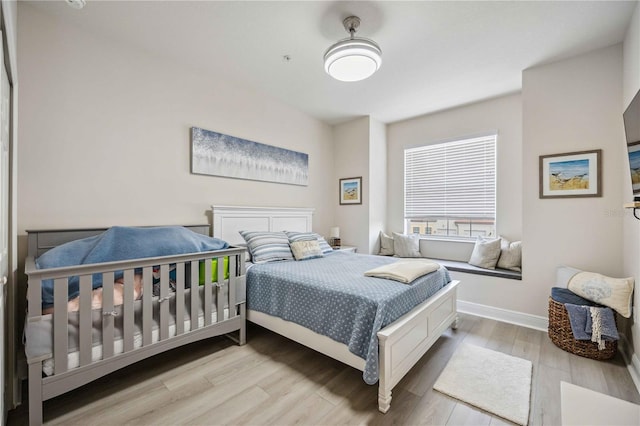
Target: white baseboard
pixel 504 315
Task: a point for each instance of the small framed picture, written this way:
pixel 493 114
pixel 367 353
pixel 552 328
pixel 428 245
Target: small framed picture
pixel 633 149
pixel 351 190
pixel 574 174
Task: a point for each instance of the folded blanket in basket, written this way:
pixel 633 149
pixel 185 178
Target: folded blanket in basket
pixel 592 323
pixel 405 270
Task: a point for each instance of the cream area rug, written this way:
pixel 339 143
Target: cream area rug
pixel 490 380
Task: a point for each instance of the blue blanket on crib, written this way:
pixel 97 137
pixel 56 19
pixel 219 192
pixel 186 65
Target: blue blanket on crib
pixel 121 243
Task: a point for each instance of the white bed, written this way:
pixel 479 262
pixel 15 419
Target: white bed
pixel 401 344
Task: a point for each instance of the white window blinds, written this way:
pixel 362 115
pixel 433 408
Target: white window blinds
pixel 451 180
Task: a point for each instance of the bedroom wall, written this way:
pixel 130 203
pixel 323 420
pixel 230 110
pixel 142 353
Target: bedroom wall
pixel 378 182
pixel 105 135
pixel 631 247
pixel 351 159
pixel 360 149
pixel 568 106
pixel 501 115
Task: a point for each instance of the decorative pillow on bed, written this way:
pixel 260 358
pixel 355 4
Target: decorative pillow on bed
pixel 615 293
pixel 406 245
pixel 309 236
pixel 306 249
pixel 485 253
pixel 267 246
pixel 510 255
pixel 386 245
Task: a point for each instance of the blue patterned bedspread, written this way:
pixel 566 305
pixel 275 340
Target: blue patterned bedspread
pixel 331 296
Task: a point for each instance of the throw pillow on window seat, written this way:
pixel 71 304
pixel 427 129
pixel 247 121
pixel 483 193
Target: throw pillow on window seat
pixel 485 253
pixel 386 245
pixel 406 245
pixel 510 255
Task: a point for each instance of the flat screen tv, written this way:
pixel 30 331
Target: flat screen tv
pixel 631 119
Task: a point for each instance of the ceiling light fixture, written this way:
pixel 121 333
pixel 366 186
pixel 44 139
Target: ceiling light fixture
pixel 353 58
pixel 76 4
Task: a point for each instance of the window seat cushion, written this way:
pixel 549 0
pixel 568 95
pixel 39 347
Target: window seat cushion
pixel 455 265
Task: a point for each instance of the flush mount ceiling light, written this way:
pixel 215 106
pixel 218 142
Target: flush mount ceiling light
pixel 76 4
pixel 353 58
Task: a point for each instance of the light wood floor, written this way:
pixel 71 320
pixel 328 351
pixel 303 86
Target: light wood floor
pixel 272 380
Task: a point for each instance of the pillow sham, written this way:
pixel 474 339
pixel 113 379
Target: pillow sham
pixel 306 249
pixel 485 253
pixel 308 236
pixel 386 245
pixel 510 255
pixel 267 246
pixel 616 293
pixel 406 245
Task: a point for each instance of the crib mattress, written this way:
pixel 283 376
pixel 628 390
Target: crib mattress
pixel 39 335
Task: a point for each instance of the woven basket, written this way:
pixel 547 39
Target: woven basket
pixel 561 334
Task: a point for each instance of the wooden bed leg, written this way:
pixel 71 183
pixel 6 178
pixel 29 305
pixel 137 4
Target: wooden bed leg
pixel 384 400
pixel 35 394
pixel 454 324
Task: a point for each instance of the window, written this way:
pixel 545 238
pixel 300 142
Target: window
pixel 450 188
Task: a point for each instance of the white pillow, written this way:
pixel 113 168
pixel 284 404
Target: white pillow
pixel 510 255
pixel 386 245
pixel 564 275
pixel 485 253
pixel 615 293
pixel 406 245
pixel 306 249
pixel 307 236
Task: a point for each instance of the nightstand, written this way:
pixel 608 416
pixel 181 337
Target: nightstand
pixel 352 249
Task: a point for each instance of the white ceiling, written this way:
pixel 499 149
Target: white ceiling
pixel 436 55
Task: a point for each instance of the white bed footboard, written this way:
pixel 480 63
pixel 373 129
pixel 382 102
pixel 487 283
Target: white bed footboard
pixel 403 342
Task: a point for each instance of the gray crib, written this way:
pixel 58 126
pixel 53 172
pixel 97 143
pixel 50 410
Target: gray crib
pixel 66 350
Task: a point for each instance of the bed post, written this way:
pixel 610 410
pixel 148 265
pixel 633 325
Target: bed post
pixel 384 371
pixel 243 328
pixel 454 324
pixel 35 393
pixel 243 306
pixel 384 399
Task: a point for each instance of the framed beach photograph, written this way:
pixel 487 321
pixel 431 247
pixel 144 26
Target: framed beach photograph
pixel 351 190
pixel 633 150
pixel 573 174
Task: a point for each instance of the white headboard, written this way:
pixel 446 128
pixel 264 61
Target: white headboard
pixel 228 220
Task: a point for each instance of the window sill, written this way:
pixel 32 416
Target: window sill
pixel 448 239
pixel 458 266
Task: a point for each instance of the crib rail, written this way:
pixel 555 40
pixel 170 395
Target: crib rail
pixel 115 330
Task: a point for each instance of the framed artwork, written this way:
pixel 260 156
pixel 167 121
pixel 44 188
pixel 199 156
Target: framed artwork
pixel 217 154
pixel 351 190
pixel 633 150
pixel 574 174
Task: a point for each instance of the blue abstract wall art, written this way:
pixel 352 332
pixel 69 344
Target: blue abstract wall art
pixel 217 154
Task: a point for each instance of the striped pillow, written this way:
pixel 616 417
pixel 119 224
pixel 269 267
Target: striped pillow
pixel 310 236
pixel 267 246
